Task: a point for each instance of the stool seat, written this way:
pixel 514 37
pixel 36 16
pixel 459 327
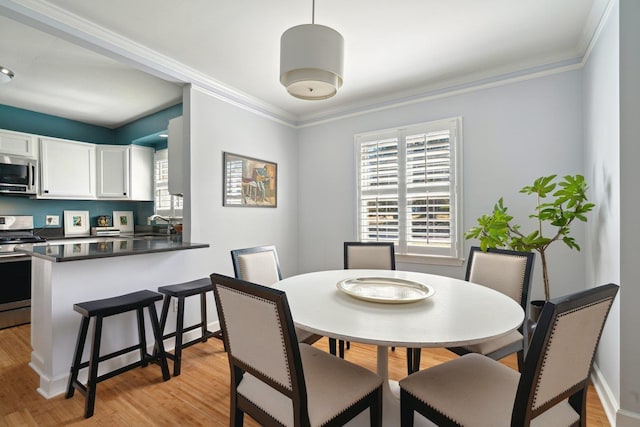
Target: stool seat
pixel 99 309
pixel 116 305
pixel 187 289
pixel 180 291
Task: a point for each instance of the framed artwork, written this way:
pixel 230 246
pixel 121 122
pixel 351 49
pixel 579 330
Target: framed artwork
pixel 123 221
pixel 76 223
pixel 249 182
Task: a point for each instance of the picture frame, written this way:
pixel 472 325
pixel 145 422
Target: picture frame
pixel 249 182
pixel 76 223
pixel 123 221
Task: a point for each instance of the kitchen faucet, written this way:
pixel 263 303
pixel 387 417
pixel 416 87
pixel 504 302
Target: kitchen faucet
pixel 169 220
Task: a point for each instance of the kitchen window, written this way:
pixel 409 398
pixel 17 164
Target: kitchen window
pixel 165 203
pixel 409 189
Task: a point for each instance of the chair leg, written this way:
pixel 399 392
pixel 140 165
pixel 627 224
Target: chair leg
pixel 93 368
pixel 375 410
pixel 177 361
pixel 77 357
pixel 406 411
pixel 341 349
pixel 142 337
pixel 520 356
pixel 161 357
pixel 413 360
pixel 203 316
pixel 332 346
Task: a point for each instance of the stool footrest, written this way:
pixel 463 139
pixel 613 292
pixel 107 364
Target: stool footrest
pixel 112 355
pixel 190 328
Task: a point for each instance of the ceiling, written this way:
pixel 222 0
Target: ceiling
pixel 111 62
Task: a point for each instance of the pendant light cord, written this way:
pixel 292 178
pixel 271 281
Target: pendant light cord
pixel 313 11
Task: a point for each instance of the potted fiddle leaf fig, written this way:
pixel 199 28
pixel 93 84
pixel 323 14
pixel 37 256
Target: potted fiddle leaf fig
pixel 558 205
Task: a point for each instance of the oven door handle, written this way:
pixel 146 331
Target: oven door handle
pixel 6 257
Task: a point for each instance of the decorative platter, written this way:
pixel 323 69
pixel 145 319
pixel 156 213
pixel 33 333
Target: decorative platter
pixel 387 290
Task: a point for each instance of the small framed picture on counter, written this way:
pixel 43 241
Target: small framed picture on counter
pixel 76 223
pixel 123 220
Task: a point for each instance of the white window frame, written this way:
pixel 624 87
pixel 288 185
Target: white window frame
pixel 450 254
pixel 176 202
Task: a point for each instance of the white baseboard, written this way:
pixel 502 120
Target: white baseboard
pixel 617 417
pixel 52 387
pixel 609 402
pixel 627 419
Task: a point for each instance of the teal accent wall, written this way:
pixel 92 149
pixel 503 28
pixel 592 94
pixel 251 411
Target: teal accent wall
pixel 20 120
pixel 144 131
pixel 17 205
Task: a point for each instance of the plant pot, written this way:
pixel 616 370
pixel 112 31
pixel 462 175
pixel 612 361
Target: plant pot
pixel 535 308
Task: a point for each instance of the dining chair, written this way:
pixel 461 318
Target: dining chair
pixel 260 265
pixel 551 390
pixel 508 272
pixel 368 256
pixel 278 381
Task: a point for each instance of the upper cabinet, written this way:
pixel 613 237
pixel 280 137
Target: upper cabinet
pixel 67 169
pixel 112 163
pixel 85 171
pixel 17 144
pixel 141 173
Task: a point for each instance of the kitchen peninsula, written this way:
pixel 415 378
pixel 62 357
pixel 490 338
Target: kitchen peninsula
pixel 78 270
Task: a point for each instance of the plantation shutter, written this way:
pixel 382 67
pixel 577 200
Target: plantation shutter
pixel 407 188
pixel 379 185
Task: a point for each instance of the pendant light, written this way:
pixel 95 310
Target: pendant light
pixel 311 60
pixel 5 74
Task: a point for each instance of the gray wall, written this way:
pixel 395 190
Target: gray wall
pixel 216 126
pixel 512 134
pixel 602 159
pixel 629 205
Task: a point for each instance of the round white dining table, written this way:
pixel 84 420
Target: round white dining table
pixel 457 313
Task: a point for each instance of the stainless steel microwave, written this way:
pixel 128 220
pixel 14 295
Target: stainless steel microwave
pixel 18 175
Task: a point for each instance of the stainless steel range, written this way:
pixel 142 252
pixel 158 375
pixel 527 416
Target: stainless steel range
pixel 15 269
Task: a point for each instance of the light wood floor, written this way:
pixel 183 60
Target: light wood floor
pixel 198 397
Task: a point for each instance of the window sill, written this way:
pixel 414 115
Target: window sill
pixel 429 260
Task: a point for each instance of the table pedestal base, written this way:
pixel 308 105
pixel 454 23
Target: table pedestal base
pixel 390 399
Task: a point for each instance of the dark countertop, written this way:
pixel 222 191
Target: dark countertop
pixel 103 247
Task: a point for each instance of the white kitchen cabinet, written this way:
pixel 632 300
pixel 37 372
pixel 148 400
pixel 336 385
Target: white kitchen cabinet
pixel 141 173
pixel 18 144
pixel 67 169
pixel 176 145
pixel 112 163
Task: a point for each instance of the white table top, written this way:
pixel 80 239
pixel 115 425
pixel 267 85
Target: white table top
pixel 459 313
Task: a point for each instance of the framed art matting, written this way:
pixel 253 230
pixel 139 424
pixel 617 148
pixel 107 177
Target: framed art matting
pixel 249 182
pixel 123 221
pixel 76 223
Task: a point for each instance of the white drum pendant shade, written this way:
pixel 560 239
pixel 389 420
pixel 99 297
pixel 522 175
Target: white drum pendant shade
pixel 311 61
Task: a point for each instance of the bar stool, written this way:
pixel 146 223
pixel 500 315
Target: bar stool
pixel 104 308
pixel 181 291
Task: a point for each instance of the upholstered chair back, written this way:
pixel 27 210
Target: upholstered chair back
pixel 369 255
pixel 255 334
pixel 505 271
pixel 562 351
pixel 257 265
pixel 266 362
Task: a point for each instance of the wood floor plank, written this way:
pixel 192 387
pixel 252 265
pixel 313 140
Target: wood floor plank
pixel 198 397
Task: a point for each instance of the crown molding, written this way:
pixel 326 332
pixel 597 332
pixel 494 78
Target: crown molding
pixel 54 20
